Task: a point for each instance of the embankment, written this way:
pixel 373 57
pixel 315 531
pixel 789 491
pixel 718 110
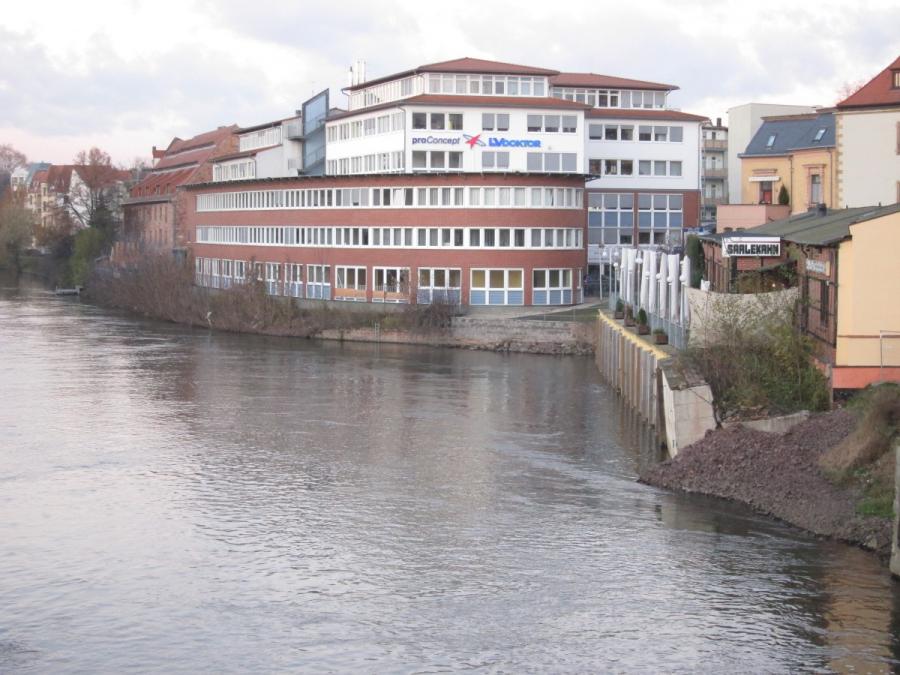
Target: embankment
pixel 779 475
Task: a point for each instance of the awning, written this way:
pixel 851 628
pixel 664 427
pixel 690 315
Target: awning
pixel 763 179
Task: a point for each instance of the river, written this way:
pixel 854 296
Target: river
pixel 177 500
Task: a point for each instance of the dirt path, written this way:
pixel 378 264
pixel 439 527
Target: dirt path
pixel 778 475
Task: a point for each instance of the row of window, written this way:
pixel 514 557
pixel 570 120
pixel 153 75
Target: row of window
pixel 550 286
pixel 552 162
pixel 646 133
pixel 612 98
pixel 243 169
pixel 396 197
pixel 381 162
pixel 393 237
pixel 260 139
pixel 487 85
pixel 625 167
pixel 551 124
pixel 611 218
pixel 370 126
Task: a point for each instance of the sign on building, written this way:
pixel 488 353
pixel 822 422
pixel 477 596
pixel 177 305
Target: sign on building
pixel 743 247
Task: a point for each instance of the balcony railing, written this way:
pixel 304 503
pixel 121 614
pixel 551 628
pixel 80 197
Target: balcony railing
pixel 715 173
pixel 714 201
pixel 709 144
pixel 294 131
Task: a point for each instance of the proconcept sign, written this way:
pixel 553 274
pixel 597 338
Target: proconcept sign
pixel 745 247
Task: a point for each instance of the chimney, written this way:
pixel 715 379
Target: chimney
pixel 718 121
pixel 821 210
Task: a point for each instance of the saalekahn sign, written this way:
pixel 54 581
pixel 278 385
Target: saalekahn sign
pixel 752 247
pixel 477 141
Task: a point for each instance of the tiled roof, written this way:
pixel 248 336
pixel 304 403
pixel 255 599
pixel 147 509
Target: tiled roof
pixel 450 100
pixel 791 132
pixel 641 114
pixel 266 125
pixel 59 177
pixel 820 230
pixel 463 65
pixel 606 82
pixel 245 153
pixel 200 140
pixel 879 91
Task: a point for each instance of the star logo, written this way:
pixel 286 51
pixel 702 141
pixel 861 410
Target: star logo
pixel 472 141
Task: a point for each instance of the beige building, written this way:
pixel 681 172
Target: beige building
pixel 868 141
pixel 794 152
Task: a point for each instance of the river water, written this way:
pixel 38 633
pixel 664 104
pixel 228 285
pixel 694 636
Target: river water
pixel 174 500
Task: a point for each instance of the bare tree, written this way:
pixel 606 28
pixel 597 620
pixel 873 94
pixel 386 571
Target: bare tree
pixel 16 227
pixel 96 194
pixel 10 159
pixel 847 89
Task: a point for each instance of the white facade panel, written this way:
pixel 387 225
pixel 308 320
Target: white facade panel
pixel 686 153
pixel 868 143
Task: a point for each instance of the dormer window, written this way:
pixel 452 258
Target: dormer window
pixel 771 141
pixel 895 81
pixel 819 134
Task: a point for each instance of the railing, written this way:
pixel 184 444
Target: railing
pixel 294 131
pixel 449 296
pixel 709 144
pixel 715 173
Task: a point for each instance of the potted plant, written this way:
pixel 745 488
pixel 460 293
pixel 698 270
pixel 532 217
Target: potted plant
pixel 620 310
pixel 629 316
pixel 659 335
pixel 643 326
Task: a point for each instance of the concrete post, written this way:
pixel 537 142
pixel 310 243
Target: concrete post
pixel 895 545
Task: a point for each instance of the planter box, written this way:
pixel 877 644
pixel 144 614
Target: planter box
pixel 661 338
pixel 629 321
pixel 643 329
pixel 619 315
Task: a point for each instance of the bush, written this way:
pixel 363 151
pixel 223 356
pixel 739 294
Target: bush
pixel 90 244
pixel 620 306
pixel 756 361
pixel 694 251
pixel 783 197
pixel 642 317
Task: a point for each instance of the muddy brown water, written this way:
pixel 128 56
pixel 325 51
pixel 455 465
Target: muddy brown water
pixel 175 500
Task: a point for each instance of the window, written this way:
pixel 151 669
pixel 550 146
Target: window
pixel 496 287
pixel 896 79
pixel 676 134
pixel 610 217
pixel 819 134
pixel 569 124
pixel 437 121
pixel 350 278
pixel 771 141
pixel 535 123
pixel 823 303
pixel 551 286
pixel 455 121
pixel 645 133
pixel 765 192
pixel 491 160
pixel 815 189
pixel 487 121
pixel 595 131
pixel 675 168
pixel 502 122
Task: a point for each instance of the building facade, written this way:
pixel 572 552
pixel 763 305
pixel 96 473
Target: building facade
pixel 155 208
pixel 478 181
pixel 743 123
pixel 714 161
pixel 868 139
pixel 796 152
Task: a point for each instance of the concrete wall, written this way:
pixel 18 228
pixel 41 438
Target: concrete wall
pixel 869 161
pixel 742 216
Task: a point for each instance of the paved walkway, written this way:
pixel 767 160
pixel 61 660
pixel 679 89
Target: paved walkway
pixel 570 313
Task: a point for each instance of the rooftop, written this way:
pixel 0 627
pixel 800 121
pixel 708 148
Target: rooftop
pixel 470 101
pixel 783 134
pixel 818 229
pixel 606 82
pixel 877 92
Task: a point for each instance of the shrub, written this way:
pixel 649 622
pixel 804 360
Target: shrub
pixel 642 317
pixel 620 306
pixel 783 197
pixel 694 251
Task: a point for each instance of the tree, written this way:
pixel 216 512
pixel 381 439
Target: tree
pixel 10 160
pixel 847 89
pixel 783 197
pixel 96 189
pixel 16 223
pixel 694 250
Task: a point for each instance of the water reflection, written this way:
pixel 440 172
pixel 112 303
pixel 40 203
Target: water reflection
pixel 180 500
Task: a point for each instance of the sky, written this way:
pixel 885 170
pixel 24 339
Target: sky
pixel 129 75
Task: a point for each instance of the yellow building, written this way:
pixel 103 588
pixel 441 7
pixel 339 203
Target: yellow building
pixel 846 262
pixel 796 152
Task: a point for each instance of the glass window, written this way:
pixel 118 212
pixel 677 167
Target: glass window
pixel 659 168
pixel 595 131
pixel 502 122
pixel 478 279
pixel 487 121
pixel 626 167
pixel 569 124
pixel 644 167
pixel 455 121
pixel 674 168
pixel 515 278
pixel 644 133
pixel 437 160
pixel 551 123
pixel 569 162
pixel 660 134
pixel 611 132
pixel 626 133
pixel 534 161
pixel 419 120
pixel 437 120
pixel 535 121
pixel 454 160
pixel 551 161
pixel 419 159
pixel 676 134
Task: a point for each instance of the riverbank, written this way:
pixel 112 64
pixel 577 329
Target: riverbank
pixel 780 475
pixel 161 288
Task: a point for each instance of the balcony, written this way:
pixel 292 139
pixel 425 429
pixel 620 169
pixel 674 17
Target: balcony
pixel 715 173
pixel 715 145
pixel 294 131
pixel 715 201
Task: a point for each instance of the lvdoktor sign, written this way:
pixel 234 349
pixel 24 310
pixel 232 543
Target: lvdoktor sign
pixel 751 247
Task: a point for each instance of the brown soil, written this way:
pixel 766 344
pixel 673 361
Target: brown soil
pixel 778 475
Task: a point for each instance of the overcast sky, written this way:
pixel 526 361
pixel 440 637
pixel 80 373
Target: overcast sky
pixel 128 75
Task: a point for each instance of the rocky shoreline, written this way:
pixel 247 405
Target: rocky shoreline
pixel 779 475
